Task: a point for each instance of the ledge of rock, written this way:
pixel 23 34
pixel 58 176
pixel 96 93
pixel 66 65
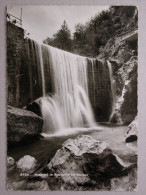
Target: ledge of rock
pixel 132 133
pixel 22 126
pixel 85 161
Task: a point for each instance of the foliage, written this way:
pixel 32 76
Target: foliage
pixel 89 39
pixel 61 39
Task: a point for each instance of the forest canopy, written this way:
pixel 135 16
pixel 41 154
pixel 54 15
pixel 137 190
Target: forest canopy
pixel 89 38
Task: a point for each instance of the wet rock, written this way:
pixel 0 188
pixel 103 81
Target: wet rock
pixel 131 138
pixel 10 161
pixel 27 164
pixel 126 93
pixel 85 161
pixel 35 107
pixel 22 125
pixel 10 164
pixel 132 134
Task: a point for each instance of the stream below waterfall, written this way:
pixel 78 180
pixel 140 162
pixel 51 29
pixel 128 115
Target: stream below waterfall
pixel 44 149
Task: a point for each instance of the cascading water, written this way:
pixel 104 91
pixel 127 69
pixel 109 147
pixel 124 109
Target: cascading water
pixel 62 79
pixel 93 77
pixel 42 69
pixel 112 88
pixel 69 105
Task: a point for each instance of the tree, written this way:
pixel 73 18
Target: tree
pixel 61 39
pixel 99 30
pixel 79 34
pixel 88 39
pixel 79 39
pixel 49 41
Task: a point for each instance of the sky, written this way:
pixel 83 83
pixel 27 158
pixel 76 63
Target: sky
pixel 43 21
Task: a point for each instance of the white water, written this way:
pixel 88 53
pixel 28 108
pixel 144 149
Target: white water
pixel 42 69
pixel 92 61
pixel 72 131
pixel 69 106
pixel 37 50
pixel 112 88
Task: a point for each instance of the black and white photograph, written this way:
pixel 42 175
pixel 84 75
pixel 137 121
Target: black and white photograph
pixel 72 97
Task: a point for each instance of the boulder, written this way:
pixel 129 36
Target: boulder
pixel 132 134
pixel 85 161
pixel 27 164
pixel 10 161
pixel 22 125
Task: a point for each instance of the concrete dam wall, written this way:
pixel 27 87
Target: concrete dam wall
pixel 31 75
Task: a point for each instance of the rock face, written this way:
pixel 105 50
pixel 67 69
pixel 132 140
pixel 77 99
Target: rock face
pixel 22 126
pixel 122 52
pixel 84 161
pixel 132 134
pixel 27 164
pixel 126 93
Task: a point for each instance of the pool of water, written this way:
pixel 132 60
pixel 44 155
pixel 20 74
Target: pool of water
pixel 45 148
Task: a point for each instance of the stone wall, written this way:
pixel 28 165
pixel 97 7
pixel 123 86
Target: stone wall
pixel 15 43
pixel 99 85
pixel 33 63
pixel 23 87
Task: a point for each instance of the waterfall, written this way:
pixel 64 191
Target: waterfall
pixel 93 77
pixel 65 82
pixel 42 69
pixel 68 104
pixel 112 88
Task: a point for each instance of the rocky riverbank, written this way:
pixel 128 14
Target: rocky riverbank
pixel 82 163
